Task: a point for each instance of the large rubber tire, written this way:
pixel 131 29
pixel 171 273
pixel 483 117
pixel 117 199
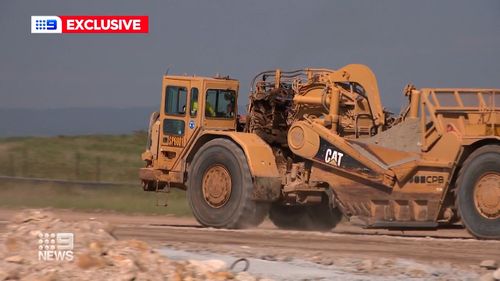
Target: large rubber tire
pixel 316 217
pixel 288 217
pixel 483 161
pixel 240 210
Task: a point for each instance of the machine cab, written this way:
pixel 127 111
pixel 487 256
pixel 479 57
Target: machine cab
pixel 189 105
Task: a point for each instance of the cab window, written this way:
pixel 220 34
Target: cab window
pixel 194 102
pixel 220 103
pixel 173 127
pixel 175 100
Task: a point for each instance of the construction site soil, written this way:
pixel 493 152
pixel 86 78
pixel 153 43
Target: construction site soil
pixel 138 247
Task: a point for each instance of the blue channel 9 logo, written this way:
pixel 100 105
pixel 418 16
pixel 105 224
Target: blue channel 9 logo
pixel 46 24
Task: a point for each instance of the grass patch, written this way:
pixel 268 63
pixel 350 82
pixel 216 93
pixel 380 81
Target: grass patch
pixel 104 158
pixel 124 199
pixel 114 158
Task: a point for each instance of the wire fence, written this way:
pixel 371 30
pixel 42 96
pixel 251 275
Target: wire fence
pixel 76 166
pixel 66 182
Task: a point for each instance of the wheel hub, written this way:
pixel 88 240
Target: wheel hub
pixel 487 195
pixel 216 186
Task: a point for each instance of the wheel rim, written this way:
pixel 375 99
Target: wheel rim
pixel 216 186
pixel 487 195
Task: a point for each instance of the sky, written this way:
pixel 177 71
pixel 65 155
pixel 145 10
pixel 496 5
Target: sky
pixel 428 43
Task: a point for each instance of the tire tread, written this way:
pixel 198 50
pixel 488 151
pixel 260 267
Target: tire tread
pixel 460 180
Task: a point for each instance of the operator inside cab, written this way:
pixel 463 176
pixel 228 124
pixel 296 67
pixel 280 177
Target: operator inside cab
pixel 219 104
pixel 209 110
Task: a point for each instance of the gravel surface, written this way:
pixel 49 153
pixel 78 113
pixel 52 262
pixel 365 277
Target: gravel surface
pixel 95 254
pixel 285 268
pixel 178 249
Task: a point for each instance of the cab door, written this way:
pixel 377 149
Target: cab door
pixel 220 105
pixel 174 115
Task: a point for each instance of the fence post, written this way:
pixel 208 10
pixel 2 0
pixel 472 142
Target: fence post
pixel 12 168
pixel 98 169
pixel 77 165
pixel 24 165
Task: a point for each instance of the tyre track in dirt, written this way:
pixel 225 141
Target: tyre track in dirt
pixel 447 245
pixel 457 251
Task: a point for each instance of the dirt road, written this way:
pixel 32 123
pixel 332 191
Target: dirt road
pixel 347 244
pixel 346 240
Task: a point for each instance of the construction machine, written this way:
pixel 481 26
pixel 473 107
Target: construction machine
pixel 317 145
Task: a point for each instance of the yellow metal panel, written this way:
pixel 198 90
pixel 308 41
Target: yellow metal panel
pixel 259 154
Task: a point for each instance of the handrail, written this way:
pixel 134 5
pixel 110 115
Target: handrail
pixel 459 101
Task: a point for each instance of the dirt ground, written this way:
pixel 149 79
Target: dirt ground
pixel 449 254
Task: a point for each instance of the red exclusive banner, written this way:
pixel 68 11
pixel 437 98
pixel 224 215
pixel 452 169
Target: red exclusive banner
pixel 105 24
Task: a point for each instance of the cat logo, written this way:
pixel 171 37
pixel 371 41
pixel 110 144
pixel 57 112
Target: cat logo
pixel 173 141
pixel 333 157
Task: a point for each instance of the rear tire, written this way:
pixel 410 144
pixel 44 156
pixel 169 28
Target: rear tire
pixel 478 193
pixel 288 217
pixel 316 217
pixel 230 204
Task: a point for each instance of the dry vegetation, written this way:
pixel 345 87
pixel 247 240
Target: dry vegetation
pixel 97 158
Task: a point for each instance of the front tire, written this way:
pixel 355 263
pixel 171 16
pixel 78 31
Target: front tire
pixel 220 187
pixel 478 194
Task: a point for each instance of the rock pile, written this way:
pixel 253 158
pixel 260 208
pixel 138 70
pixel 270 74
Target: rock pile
pixel 26 253
pixel 494 274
